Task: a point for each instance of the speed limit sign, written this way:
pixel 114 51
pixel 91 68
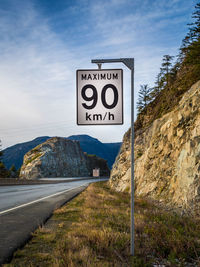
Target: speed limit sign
pixel 100 97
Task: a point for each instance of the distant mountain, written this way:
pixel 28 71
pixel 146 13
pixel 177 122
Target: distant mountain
pixel 15 154
pixel 92 145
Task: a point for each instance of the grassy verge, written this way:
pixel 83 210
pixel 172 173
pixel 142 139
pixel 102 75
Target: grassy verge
pixel 94 230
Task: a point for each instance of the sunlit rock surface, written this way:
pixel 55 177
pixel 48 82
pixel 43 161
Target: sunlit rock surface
pixel 57 157
pixel 167 157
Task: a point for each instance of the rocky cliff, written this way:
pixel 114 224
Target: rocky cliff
pixel 167 157
pixel 60 157
pixel 57 157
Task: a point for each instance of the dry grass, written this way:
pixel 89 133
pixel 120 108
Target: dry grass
pixel 94 230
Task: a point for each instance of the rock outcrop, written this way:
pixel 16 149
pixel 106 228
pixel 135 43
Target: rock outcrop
pixel 167 157
pixel 57 157
pixel 60 157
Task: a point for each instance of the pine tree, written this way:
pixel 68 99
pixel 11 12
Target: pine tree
pixel 194 29
pixel 12 168
pixel 144 97
pixel 13 172
pixel 190 49
pixel 166 65
pixel 158 86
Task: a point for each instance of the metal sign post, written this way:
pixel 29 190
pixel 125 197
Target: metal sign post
pixel 100 102
pixel 129 62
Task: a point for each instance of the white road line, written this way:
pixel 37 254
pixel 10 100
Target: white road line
pixel 38 200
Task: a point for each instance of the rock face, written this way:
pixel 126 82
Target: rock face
pixel 14 155
pixel 167 157
pixel 93 146
pixel 96 162
pixel 57 157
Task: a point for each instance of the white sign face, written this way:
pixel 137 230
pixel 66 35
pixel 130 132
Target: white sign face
pixel 100 97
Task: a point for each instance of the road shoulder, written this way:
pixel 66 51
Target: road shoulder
pixel 17 226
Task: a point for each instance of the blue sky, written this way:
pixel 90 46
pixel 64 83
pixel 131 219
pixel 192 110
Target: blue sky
pixel 43 42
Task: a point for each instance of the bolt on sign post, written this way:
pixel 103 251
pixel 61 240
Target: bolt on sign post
pixel 100 102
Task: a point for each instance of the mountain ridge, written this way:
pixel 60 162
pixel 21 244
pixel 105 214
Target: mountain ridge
pixel 14 155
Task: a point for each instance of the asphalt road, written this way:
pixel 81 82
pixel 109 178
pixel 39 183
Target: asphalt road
pixel 23 208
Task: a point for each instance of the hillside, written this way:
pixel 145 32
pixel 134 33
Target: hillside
pixel 174 78
pixel 167 153
pixel 167 132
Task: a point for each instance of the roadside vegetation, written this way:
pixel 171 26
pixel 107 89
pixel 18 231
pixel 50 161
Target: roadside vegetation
pixel 94 230
pixel 4 172
pixel 177 75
